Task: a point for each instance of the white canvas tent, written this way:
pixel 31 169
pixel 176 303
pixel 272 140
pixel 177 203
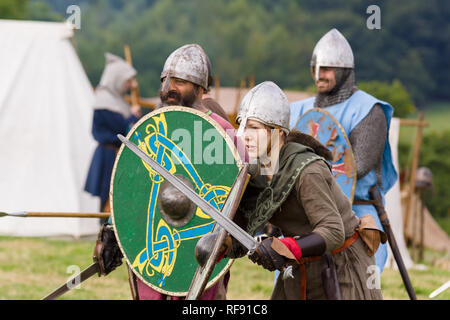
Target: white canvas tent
pixel 45 130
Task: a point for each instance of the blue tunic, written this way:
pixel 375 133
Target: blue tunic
pixel 349 114
pixel 105 127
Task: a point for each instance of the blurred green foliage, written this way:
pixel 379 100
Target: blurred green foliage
pixel 394 93
pixel 435 154
pixel 13 9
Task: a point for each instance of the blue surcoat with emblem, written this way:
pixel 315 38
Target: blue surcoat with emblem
pixel 349 114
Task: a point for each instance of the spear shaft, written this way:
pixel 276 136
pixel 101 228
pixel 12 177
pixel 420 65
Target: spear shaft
pixel 25 214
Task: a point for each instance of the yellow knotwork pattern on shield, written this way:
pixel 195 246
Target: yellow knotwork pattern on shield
pixel 163 240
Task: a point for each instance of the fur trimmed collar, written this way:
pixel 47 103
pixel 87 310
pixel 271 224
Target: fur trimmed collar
pixel 307 140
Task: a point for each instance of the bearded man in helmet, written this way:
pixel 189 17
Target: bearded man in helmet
pixel 184 79
pixel 181 85
pixel 364 118
pixel 295 191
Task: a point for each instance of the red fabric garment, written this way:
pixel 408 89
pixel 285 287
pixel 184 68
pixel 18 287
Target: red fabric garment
pixel 221 256
pixel 147 293
pixel 292 245
pixel 231 132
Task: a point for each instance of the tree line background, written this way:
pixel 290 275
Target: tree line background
pixel 269 39
pixel 406 62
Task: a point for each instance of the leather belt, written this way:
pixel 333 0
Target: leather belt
pixel 305 260
pixel 110 146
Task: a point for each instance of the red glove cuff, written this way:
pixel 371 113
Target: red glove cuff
pixel 292 245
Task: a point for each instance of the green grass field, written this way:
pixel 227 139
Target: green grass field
pixel 30 268
pixel 438 114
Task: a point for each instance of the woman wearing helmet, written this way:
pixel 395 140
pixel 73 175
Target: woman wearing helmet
pixel 296 192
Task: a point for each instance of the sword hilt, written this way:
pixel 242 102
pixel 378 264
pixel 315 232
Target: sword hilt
pixel 287 270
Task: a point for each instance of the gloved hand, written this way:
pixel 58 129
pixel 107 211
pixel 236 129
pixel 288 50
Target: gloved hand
pixel 267 257
pixel 107 252
pixel 205 246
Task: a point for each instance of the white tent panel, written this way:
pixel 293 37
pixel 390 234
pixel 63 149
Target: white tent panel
pixel 45 130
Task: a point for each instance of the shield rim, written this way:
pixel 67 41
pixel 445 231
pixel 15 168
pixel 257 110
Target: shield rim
pixel 239 164
pixel 352 193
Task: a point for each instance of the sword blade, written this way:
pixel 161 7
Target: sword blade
pixel 203 274
pixel 83 275
pixel 240 235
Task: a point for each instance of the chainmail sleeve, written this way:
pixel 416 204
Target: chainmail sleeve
pixel 368 139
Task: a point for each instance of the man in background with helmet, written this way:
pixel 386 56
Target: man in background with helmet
pixel 364 119
pixel 184 79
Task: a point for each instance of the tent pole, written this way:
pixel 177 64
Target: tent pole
pixel 217 87
pixel 412 175
pixel 422 224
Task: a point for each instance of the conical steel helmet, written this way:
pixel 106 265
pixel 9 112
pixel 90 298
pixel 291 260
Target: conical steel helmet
pixel 266 103
pixel 332 50
pixel 188 62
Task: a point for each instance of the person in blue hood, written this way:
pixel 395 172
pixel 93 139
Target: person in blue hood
pixel 112 115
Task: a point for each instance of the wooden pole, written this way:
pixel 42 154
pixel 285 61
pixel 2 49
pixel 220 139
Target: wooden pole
pixel 238 96
pixel 236 105
pixel 412 175
pixel 414 234
pixel 134 90
pixel 142 103
pixel 69 214
pixel 414 123
pixel 422 224
pixel 57 214
pixel 251 81
pixel 217 87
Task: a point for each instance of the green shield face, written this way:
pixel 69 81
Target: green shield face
pixel 156 226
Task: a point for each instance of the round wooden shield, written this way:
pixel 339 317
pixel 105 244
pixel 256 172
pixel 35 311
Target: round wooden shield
pixel 157 229
pixel 324 127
